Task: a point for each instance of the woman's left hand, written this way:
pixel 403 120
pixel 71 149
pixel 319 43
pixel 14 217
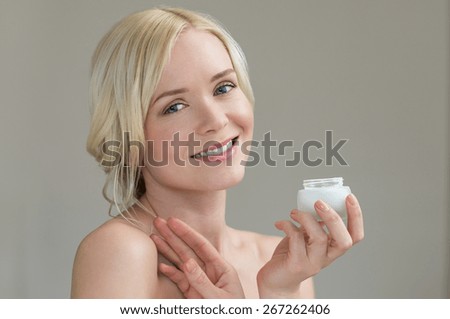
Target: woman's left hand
pixel 200 270
pixel 308 248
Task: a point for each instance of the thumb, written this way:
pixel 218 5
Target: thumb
pixel 199 280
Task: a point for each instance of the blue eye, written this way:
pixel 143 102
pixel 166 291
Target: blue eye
pixel 174 108
pixel 224 88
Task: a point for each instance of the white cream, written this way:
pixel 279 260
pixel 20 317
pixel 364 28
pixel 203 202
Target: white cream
pixel 330 190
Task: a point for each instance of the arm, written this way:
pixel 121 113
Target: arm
pixel 115 261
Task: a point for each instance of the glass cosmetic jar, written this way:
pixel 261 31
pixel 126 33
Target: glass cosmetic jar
pixel 330 190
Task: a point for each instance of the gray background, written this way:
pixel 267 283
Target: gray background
pixel 374 72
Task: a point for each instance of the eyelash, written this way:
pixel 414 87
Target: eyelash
pixel 223 84
pixel 177 103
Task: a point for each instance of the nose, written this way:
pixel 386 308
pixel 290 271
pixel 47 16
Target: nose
pixel 212 116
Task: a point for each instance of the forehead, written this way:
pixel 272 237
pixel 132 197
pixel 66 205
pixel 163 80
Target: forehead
pixel 196 54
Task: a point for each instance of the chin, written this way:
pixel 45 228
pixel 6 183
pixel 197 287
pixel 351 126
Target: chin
pixel 228 182
pixel 219 180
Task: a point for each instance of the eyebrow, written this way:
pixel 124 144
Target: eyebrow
pixel 169 93
pixel 222 74
pixel 184 90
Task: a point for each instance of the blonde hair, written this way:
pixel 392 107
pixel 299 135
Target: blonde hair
pixel 126 68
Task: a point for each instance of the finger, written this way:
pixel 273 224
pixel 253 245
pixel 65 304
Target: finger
pixel 355 223
pixel 286 226
pixel 180 279
pixel 164 248
pixel 296 250
pixel 340 239
pixel 296 212
pixel 176 275
pixel 199 244
pixel 176 243
pixel 199 280
pixel 315 235
pixel 322 224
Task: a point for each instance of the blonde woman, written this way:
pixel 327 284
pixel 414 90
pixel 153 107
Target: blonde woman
pixel 172 84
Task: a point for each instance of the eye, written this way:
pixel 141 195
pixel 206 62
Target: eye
pixel 224 88
pixel 174 108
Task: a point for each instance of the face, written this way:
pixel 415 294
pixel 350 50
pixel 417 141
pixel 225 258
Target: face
pixel 198 118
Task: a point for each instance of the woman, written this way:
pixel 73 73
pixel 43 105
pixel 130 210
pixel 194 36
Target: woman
pixel 172 87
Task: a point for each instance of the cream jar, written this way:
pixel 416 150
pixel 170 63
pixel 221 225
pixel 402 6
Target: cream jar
pixel 330 190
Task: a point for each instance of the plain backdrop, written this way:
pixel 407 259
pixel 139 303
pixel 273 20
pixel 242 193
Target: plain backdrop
pixel 373 72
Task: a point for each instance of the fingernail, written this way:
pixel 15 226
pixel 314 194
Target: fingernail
pixel 173 222
pixel 190 265
pixel 170 219
pixel 352 199
pixel 322 206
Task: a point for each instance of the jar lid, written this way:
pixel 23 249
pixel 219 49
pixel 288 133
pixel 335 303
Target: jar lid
pixel 323 182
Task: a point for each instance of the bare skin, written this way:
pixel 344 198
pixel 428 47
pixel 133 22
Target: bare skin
pixel 98 276
pixel 201 272
pixel 120 260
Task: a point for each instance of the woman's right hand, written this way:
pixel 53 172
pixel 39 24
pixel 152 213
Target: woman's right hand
pixel 198 269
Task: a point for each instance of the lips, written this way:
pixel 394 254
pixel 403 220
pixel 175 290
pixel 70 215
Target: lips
pixel 217 149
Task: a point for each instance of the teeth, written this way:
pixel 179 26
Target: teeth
pixel 216 151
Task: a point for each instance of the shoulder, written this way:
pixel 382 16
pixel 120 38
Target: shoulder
pixel 117 260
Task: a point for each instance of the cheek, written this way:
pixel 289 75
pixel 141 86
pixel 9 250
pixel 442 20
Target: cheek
pixel 250 118
pixel 244 118
pixel 163 144
pixel 157 146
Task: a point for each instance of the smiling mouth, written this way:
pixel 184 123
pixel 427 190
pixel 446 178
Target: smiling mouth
pixel 214 150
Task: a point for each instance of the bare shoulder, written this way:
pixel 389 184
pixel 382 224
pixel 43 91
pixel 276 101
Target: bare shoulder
pixel 117 260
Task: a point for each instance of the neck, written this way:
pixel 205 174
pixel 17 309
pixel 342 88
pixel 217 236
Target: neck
pixel 203 211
